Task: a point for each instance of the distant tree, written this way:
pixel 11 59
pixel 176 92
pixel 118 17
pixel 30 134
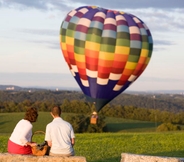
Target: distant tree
pixel 168 127
pixel 10 106
pixel 81 123
pixel 65 106
pixel 100 126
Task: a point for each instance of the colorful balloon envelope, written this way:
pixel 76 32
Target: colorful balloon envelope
pixel 106 50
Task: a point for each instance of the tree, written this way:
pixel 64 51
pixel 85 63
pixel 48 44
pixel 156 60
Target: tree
pixel 168 127
pixel 81 123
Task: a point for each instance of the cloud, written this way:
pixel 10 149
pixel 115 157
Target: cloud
pixel 160 45
pixel 158 15
pixel 42 32
pixel 37 79
pixel 58 4
pixel 67 80
pixel 37 4
pixel 50 44
pixel 159 79
pixel 46 4
pixel 163 42
pixel 21 4
pixel 136 4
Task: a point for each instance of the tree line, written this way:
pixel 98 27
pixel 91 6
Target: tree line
pixel 167 102
pixel 138 107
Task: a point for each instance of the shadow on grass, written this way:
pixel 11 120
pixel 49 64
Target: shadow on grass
pixel 113 159
pixel 3 125
pixel 176 154
pixel 4 122
pixel 115 127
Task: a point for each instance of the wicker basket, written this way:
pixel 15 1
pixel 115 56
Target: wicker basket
pixel 93 120
pixel 40 149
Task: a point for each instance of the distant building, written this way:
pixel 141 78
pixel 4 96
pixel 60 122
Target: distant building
pixel 10 88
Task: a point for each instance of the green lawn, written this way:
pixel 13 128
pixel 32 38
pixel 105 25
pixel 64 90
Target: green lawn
pixel 107 147
pixel 127 125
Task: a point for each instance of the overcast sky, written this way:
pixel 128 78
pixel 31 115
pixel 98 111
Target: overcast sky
pixel 30 54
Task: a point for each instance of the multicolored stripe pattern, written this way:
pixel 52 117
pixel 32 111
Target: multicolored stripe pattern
pixel 105 50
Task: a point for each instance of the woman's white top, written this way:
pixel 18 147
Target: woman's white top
pixel 22 133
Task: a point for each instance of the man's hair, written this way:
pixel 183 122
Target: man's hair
pixel 31 114
pixel 56 111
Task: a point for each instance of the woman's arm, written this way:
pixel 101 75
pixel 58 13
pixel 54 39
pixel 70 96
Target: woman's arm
pixel 30 144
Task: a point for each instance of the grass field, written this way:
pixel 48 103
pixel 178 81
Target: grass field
pixel 107 147
pixel 9 120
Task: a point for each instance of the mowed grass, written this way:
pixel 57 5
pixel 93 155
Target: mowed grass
pixel 107 147
pixel 128 125
pixel 9 120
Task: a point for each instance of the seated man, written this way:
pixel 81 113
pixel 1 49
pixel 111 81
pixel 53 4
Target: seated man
pixel 60 135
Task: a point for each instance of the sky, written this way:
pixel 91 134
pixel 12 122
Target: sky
pixel 30 53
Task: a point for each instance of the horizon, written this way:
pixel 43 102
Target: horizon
pixel 59 86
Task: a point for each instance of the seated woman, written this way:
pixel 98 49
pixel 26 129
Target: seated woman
pixel 20 140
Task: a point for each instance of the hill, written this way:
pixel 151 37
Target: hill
pixel 52 88
pixel 161 101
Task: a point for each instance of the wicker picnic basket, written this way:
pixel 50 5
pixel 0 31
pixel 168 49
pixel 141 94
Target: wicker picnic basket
pixel 40 149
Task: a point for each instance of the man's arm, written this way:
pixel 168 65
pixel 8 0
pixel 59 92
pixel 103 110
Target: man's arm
pixel 49 143
pixel 73 141
pixel 47 136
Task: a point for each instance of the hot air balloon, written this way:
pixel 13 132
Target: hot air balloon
pixel 106 51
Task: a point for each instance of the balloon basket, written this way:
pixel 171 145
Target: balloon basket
pixel 93 120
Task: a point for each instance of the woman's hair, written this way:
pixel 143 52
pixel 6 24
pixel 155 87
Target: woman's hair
pixel 31 114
